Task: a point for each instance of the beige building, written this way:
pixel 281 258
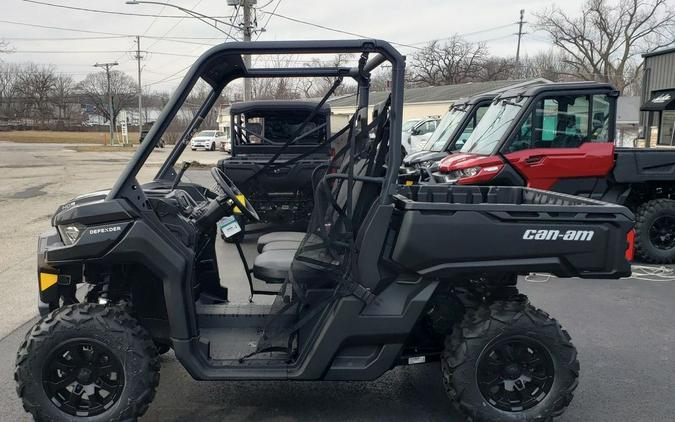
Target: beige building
pixel 426 101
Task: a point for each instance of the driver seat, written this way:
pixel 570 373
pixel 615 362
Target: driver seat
pixel 274 237
pixel 274 263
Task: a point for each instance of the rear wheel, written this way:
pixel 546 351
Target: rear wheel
pixel 87 361
pixel 655 231
pixel 509 362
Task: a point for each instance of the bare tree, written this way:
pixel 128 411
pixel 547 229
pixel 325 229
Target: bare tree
pixel 454 61
pixel 94 90
pixel 8 79
pixel 603 42
pixel 498 69
pixel 5 47
pixel 552 65
pixel 34 85
pixel 62 96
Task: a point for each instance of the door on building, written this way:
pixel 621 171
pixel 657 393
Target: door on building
pixel 660 118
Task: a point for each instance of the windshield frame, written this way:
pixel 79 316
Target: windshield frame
pixel 224 63
pixel 413 124
pixel 517 106
pixel 458 119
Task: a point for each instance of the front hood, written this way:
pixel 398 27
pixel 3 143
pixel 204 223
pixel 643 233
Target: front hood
pixel 422 156
pixel 462 160
pixel 79 200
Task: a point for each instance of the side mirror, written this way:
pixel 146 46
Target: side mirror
pixel 415 132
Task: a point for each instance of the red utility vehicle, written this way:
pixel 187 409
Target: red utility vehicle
pixel 560 137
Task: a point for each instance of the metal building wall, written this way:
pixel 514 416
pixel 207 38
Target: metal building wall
pixel 661 70
pixel 659 74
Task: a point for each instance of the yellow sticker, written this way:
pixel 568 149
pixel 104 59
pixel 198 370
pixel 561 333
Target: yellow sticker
pixel 241 198
pixel 47 280
pixel 409 183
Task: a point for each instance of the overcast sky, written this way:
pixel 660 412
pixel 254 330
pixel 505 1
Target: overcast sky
pixel 407 22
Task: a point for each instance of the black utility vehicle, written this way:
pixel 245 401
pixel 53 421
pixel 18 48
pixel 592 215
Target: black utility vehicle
pixel 450 135
pixel 374 283
pixel 278 147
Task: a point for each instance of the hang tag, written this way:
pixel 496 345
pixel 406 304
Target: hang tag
pixel 229 226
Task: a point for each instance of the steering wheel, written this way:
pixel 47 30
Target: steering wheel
pixel 231 191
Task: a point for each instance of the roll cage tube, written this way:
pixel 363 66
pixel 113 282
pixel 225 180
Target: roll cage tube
pixel 223 63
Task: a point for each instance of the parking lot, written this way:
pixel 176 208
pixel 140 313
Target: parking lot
pixel 623 328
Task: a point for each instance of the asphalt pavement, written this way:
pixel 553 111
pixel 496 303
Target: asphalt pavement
pixel 623 328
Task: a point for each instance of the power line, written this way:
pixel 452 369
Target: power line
pixel 173 27
pixel 65 38
pixel 113 12
pixel 63 29
pixel 466 34
pixel 328 28
pixel 166 79
pixel 154 20
pixel 269 17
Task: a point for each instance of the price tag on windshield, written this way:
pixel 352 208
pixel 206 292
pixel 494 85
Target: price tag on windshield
pixel 229 226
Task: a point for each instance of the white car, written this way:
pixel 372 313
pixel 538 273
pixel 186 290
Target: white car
pixel 408 126
pixel 420 134
pixel 208 140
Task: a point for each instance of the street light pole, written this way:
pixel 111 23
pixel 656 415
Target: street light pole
pixel 140 88
pixel 107 67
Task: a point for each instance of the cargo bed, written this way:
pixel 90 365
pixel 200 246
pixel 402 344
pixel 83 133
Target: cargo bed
pixel 446 230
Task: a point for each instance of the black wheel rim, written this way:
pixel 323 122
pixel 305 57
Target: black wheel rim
pixel 662 233
pixel 515 374
pixel 83 378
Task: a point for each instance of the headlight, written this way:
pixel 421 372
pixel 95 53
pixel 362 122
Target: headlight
pixel 70 232
pixel 470 172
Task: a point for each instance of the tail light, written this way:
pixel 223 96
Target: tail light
pixel 630 250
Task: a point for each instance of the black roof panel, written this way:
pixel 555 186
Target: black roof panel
pixel 264 105
pixel 530 91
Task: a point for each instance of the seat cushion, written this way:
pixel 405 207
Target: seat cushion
pixel 282 245
pixel 279 237
pixel 273 266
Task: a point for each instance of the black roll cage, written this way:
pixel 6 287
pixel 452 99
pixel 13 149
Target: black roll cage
pixel 224 63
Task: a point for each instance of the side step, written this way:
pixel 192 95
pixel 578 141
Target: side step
pixel 228 315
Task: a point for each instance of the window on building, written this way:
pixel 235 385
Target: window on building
pixel 667 132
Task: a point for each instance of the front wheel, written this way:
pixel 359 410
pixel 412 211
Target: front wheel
pixel 509 361
pixel 212 147
pixel 655 231
pixel 88 362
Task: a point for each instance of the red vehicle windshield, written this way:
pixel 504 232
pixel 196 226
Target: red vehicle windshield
pixel 488 134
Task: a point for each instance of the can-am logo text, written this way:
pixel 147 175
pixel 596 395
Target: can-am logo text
pixel 578 235
pixel 105 230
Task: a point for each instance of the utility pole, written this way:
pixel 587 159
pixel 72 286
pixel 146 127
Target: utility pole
pixel 107 67
pixel 138 57
pixel 520 34
pixel 248 30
